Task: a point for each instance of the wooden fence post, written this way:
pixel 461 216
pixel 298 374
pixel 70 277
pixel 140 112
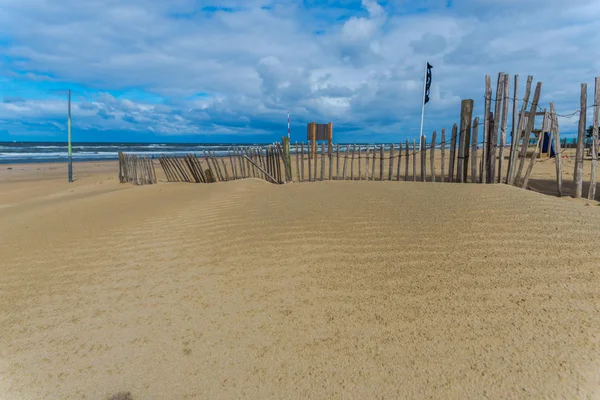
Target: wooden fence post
pixel 414 157
pixel 423 150
pixel 528 125
pixel 381 157
pixel 516 127
pixel 399 161
pixel 309 150
pixel 373 164
pixel 367 158
pixel 315 159
pixel 538 149
pixel 503 126
pixel 443 153
pixel 352 162
pixel 486 130
pixel 407 158
pixel 391 166
pixel 594 174
pixel 557 150
pixel 345 162
pixel 578 173
pixel 359 164
pixel 432 156
pixel 322 161
pixel 337 162
pixel 494 131
pixel 474 138
pixel 452 153
pixel 466 116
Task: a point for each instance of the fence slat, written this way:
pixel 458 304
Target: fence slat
pixel 352 162
pixel 432 156
pixel 322 161
pixel 423 150
pixel 443 155
pixel 330 157
pixel 528 124
pixel 557 150
pixel 596 121
pixel 367 158
pixel 391 166
pixel 373 163
pixel 406 161
pixel 337 162
pixel 399 161
pixel 474 138
pixel 302 163
pixel 315 159
pixel 309 151
pixel 452 153
pixel 345 162
pixel 578 173
pixel 414 158
pixel 359 164
pixel 538 149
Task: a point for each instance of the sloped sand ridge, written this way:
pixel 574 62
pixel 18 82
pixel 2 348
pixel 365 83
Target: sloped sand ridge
pixel 333 289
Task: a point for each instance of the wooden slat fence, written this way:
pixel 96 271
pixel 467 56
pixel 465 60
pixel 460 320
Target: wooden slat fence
pixel 136 169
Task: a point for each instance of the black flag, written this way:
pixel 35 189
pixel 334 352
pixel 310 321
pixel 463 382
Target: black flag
pixel 428 83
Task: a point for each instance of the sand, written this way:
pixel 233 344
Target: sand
pixel 314 290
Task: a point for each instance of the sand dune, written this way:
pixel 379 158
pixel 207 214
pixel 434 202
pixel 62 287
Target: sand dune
pixel 332 289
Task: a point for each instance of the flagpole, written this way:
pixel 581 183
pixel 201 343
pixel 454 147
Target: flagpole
pixel 423 102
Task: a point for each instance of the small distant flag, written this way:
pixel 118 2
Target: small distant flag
pixel 428 83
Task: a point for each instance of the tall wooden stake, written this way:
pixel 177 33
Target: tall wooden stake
pixel 578 173
pixel 558 156
pixel 528 126
pixel 594 176
pixel 504 126
pixel 486 129
pixel 474 137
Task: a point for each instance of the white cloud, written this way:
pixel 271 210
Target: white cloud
pixel 361 68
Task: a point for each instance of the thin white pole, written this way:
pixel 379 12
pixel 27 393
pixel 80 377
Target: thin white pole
pixel 423 102
pixel 69 148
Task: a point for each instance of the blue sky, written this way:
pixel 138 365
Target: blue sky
pixel 229 70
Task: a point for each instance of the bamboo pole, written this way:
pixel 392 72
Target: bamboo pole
pixel 443 154
pixel 432 156
pixel 578 173
pixel 486 130
pixel 474 138
pixel 594 174
pixel 557 149
pixel 528 125
pixel 503 126
pixel 538 148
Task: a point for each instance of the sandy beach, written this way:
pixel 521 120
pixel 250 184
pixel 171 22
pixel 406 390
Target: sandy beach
pixel 317 290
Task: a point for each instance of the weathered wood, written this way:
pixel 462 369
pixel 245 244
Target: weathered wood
pixel 193 171
pixel 494 132
pixel 297 163
pixel 538 148
pixel 381 159
pixel 594 173
pixel 367 163
pixel 337 162
pixel 280 158
pixel 309 150
pixel 474 138
pixel 224 168
pixel 352 162
pixel 578 173
pixel 528 126
pixel 219 170
pixel 443 155
pixel 185 176
pixel 423 150
pixel 466 116
pixel 414 162
pixel 432 156
pixel 345 162
pixel 391 166
pixel 407 158
pixel 359 164
pixel 515 134
pixel 322 161
pixel 315 160
pixel 557 150
pixel 302 162
pixel 486 130
pixel 373 163
pixel 399 161
pixel 198 165
pixel 330 155
pixel 271 178
pixel 451 162
pixel 503 126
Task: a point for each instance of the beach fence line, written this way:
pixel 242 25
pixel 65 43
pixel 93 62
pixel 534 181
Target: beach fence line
pixel 251 162
pixel 136 169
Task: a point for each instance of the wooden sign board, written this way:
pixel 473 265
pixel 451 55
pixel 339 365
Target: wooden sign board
pixel 322 131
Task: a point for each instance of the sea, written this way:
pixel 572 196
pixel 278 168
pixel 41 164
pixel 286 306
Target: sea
pixel 43 152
